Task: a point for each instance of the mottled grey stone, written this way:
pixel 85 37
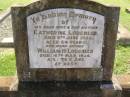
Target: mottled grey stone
pixel 25 73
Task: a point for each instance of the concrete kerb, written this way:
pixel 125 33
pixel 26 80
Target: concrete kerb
pixel 7 43
pixel 123 35
pixel 8 83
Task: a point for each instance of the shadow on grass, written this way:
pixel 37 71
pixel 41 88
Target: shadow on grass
pixel 122 44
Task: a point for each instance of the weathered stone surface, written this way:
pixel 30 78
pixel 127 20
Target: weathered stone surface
pixel 123 35
pixel 8 83
pixel 124 80
pixel 7 42
pixel 25 73
pixel 64 89
pixel 65 38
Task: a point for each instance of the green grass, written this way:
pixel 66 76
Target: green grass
pixel 122 61
pixel 7 63
pixel 124 16
pixel 4 4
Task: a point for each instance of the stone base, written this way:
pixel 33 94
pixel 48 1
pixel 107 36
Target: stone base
pixel 7 43
pixel 8 83
pixel 64 89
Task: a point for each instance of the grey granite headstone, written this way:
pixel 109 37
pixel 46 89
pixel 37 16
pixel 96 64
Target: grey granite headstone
pixel 65 48
pixel 65 40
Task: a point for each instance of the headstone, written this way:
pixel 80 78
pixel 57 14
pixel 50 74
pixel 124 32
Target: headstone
pixel 65 40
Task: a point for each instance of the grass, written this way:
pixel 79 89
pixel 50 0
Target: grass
pixel 7 63
pixel 122 61
pixel 124 16
pixel 4 4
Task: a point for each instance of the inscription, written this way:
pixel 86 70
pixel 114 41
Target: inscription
pixel 65 38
